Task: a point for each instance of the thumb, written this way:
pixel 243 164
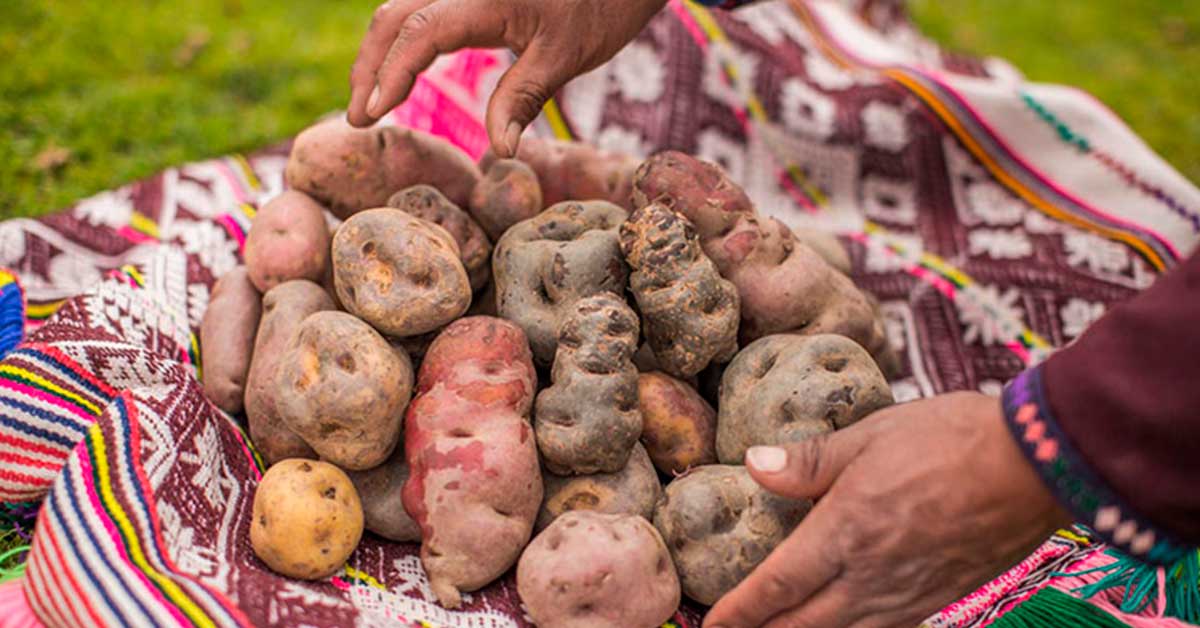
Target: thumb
pixel 519 97
pixel 806 469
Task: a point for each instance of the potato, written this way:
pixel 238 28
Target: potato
pixel 507 194
pixel 399 273
pixel 570 171
pixel 288 240
pixel 634 490
pixel 475 251
pixel 307 519
pixel 596 570
pixel 227 339
pixel 344 389
pixel 383 507
pixel 787 388
pixel 475 485
pixel 690 311
pixel 719 525
pixel 679 428
pixel 827 246
pixel 784 286
pixel 543 265
pixel 588 421
pixel 284 307
pixel 349 170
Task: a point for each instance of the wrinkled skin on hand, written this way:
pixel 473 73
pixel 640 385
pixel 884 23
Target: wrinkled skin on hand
pixel 556 41
pixel 918 505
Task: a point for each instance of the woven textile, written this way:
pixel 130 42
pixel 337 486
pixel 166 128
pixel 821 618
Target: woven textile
pixel 993 219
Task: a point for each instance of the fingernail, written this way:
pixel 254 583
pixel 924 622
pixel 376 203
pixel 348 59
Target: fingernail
pixel 373 102
pixel 512 136
pixel 767 459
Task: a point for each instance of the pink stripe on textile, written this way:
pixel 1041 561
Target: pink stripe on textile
pixel 1045 179
pixel 690 24
pixel 133 235
pixel 452 121
pixel 234 229
pixel 235 184
pixel 98 512
pixel 87 417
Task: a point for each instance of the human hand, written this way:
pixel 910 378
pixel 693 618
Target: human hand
pixel 919 504
pixel 556 40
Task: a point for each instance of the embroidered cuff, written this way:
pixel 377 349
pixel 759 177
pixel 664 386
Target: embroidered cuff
pixel 1073 482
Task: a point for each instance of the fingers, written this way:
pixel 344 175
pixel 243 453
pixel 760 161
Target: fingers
pixel 439 28
pixel 522 92
pixel 385 25
pixel 831 607
pixel 799 567
pixel 808 468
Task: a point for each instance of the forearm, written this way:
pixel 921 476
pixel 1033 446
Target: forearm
pixel 1113 420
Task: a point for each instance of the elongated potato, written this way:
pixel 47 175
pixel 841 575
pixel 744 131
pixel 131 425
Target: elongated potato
pixel 595 570
pixel 349 170
pixel 475 251
pixel 634 490
pixel 679 428
pixel 787 388
pixel 227 339
pixel 690 311
pixel 288 239
pixel 588 420
pixel 344 390
pixel 475 485
pixel 507 194
pixel 307 519
pixel 719 525
pixel 284 307
pixel 543 265
pixel 399 273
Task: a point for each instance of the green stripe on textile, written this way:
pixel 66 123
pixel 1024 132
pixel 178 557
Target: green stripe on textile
pixel 1051 608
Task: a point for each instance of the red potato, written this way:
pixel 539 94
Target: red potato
pixel 227 339
pixel 288 239
pixel 284 307
pixel 349 170
pixel 679 428
pixel 475 485
pixel 596 570
pixel 507 194
pixel 575 171
pixel 785 287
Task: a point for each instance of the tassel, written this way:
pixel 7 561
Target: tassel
pixel 1051 608
pixel 12 313
pixel 1141 585
pixel 16 571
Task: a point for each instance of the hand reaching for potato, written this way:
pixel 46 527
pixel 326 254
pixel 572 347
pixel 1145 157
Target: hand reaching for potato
pixel 555 40
pixel 919 504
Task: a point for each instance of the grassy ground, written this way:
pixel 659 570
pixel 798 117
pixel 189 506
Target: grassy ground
pixel 95 94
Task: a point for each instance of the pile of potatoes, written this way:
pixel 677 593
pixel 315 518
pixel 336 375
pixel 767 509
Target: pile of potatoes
pixel 507 366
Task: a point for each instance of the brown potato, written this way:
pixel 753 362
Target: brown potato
pixel 284 307
pixel 634 490
pixel 507 194
pixel 679 428
pixel 475 251
pixel 383 506
pixel 344 390
pixel 595 570
pixel 349 170
pixel 307 519
pixel 288 239
pixel 399 273
pixel 719 525
pixel 543 265
pixel 787 388
pixel 227 339
pixel 587 421
pixel 690 312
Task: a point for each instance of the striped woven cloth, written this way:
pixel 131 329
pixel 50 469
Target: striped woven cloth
pixel 994 220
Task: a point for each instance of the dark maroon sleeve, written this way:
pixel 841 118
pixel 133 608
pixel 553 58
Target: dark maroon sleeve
pixel 1112 421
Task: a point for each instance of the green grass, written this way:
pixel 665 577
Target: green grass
pixel 95 94
pixel 1140 57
